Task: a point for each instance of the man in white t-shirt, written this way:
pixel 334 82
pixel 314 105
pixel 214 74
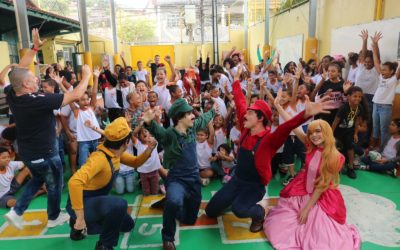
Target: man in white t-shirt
pixel 141 73
pixel 126 88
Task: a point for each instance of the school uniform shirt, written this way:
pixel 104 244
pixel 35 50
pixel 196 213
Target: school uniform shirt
pixel 385 92
pixel 204 152
pixel 36 123
pixel 291 112
pixel 141 75
pixel 222 107
pixel 125 91
pixel 234 135
pixel 163 95
pixel 84 133
pixel 153 162
pixel 274 87
pixel 348 116
pixel 124 168
pixel 228 164
pixel 219 138
pixel 389 151
pixel 367 79
pixel 316 79
pixel 221 81
pixel 352 74
pixel 110 98
pixel 7 176
pixel 301 106
pixel 337 94
pixel 256 76
pixel 69 114
pixel 96 172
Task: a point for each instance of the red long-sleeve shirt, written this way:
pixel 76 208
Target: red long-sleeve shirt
pixel 270 143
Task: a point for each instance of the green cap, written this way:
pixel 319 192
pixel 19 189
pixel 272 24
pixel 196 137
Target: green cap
pixel 179 106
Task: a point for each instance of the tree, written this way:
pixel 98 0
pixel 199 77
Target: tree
pixel 138 29
pixel 59 7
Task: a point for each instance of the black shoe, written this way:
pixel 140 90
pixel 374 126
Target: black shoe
pixel 168 245
pixel 256 226
pixel 159 204
pixel 100 246
pixel 351 173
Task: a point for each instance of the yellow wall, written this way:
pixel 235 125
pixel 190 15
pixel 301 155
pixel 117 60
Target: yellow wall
pixel 5 59
pixel 255 36
pixel 391 8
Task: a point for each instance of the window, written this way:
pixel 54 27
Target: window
pixel 173 20
pixel 13 50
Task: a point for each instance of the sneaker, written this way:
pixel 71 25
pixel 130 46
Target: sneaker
pixel 288 180
pixel 392 172
pixel 357 161
pixel 205 181
pixel 351 173
pixel 100 246
pixel 62 217
pixel 363 166
pixel 14 219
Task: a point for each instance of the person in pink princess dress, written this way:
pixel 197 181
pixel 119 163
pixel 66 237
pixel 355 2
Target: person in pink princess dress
pixel 311 213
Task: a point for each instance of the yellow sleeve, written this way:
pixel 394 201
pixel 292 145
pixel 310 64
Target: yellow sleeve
pixel 134 161
pixel 95 164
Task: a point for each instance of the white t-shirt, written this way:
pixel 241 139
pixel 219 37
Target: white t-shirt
pixel 125 91
pixel 222 107
pixel 220 138
pixel 7 177
pixel 153 163
pixel 124 168
pixel 110 98
pixel 352 74
pixel 367 79
pixel 274 87
pixel 84 133
pixel 256 76
pixel 389 152
pixel 386 90
pixel 316 79
pixel 221 82
pixel 291 112
pixel 204 152
pixel 67 112
pixel 141 75
pixel 163 95
pixel 234 135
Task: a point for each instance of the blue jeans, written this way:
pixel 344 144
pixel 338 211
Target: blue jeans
pixel 46 170
pixel 60 145
pixel 381 118
pixel 125 181
pixel 374 166
pixel 85 148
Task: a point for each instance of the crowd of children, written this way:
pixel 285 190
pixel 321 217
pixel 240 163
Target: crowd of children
pixel 360 91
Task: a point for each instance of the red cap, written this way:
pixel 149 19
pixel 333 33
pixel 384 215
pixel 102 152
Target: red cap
pixel 263 107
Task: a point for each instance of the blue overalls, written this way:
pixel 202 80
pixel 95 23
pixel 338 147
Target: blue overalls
pixel 243 191
pixel 105 215
pixel 183 191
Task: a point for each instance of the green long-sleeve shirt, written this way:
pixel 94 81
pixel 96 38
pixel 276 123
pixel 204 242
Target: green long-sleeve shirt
pixel 168 138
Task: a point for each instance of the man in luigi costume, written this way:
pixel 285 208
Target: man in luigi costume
pixel 183 184
pixel 89 205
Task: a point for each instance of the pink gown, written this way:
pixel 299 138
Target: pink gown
pixel 325 227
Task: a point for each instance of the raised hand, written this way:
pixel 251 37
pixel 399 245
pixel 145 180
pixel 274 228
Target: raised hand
pixel 346 85
pixel 167 59
pixel 238 72
pixel 149 115
pixel 322 107
pixel 122 54
pixel 57 78
pixel 299 71
pixel 152 143
pixel 37 43
pixel 364 34
pixel 377 36
pixel 96 72
pixel 86 71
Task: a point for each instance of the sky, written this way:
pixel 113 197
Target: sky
pixel 132 3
